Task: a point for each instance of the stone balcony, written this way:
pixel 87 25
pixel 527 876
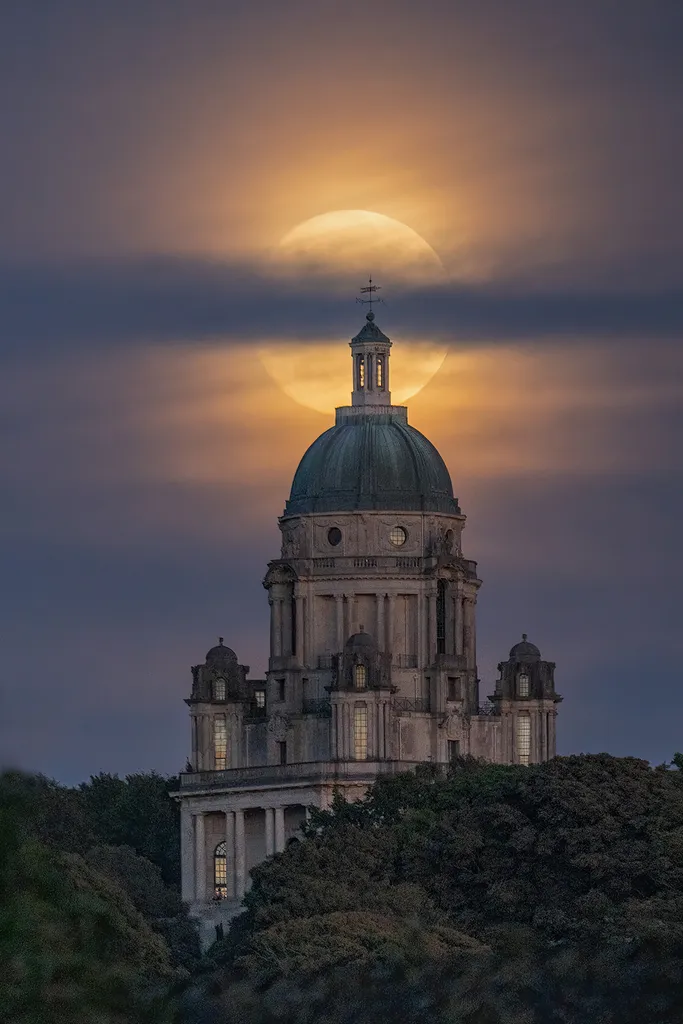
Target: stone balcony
pixel 305 772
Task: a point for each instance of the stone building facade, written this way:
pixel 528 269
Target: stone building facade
pixel 373 655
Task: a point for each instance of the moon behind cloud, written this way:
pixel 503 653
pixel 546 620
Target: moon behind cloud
pixel 352 244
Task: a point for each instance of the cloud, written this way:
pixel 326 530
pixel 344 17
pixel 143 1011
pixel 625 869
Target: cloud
pixel 167 300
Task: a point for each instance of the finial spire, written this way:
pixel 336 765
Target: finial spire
pixel 220 640
pixel 370 289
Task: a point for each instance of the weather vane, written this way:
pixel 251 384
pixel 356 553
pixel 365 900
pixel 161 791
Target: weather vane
pixel 370 289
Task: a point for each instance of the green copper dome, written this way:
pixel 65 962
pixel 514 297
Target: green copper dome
pixel 372 460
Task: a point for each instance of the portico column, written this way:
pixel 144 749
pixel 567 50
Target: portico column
pixel 187 855
pixel 230 853
pixel 240 858
pixel 279 829
pixel 199 859
pixel 270 831
pixel 339 608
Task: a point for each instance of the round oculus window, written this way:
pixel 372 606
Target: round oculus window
pixel 334 536
pixel 398 536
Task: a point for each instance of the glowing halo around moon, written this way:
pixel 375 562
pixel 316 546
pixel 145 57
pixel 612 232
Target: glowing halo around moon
pixel 349 245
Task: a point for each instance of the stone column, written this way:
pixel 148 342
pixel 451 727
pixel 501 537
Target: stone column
pixel 199 859
pixel 279 829
pixel 552 722
pixel 339 608
pixel 240 855
pixel 187 854
pixel 273 627
pixel 300 652
pixel 348 612
pixel 372 732
pixel 449 624
pixel 287 639
pixel 346 711
pixel 431 619
pixel 278 627
pixel 230 853
pixel 334 733
pixel 270 831
pixel 390 624
pixel 457 602
pixel 381 627
pixel 467 632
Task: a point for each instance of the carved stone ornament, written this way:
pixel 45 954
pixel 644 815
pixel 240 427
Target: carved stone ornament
pixel 451 723
pixel 278 724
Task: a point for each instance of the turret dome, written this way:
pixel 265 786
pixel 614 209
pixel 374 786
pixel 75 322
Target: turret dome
pixel 524 649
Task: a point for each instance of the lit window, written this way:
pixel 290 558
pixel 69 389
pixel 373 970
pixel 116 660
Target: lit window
pixel 361 371
pixel 220 743
pixel 360 732
pixel 523 739
pixel 219 689
pixel 523 685
pixel 260 698
pixel 360 677
pixel 380 371
pixel 398 536
pixel 220 872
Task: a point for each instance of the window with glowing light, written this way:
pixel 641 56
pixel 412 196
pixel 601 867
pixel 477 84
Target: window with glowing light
pixel 380 371
pixel 360 677
pixel 523 739
pixel 219 689
pixel 398 536
pixel 260 698
pixel 523 685
pixel 360 732
pixel 220 743
pixel 361 372
pixel 220 872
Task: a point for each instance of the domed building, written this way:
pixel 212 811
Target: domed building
pixel 373 660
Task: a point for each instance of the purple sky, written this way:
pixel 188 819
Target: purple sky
pixel 153 155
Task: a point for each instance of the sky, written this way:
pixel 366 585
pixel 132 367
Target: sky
pixel 154 155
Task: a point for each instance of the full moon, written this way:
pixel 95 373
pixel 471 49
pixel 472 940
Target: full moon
pixel 352 245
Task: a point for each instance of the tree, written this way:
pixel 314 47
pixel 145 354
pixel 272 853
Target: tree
pixel 73 949
pixel 159 904
pixel 138 812
pixel 568 876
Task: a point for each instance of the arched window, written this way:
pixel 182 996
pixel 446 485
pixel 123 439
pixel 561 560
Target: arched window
pixel 360 377
pixel 522 685
pixel 360 732
pixel 219 689
pixel 380 373
pixel 523 739
pixel 220 872
pixel 360 677
pixel 220 743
